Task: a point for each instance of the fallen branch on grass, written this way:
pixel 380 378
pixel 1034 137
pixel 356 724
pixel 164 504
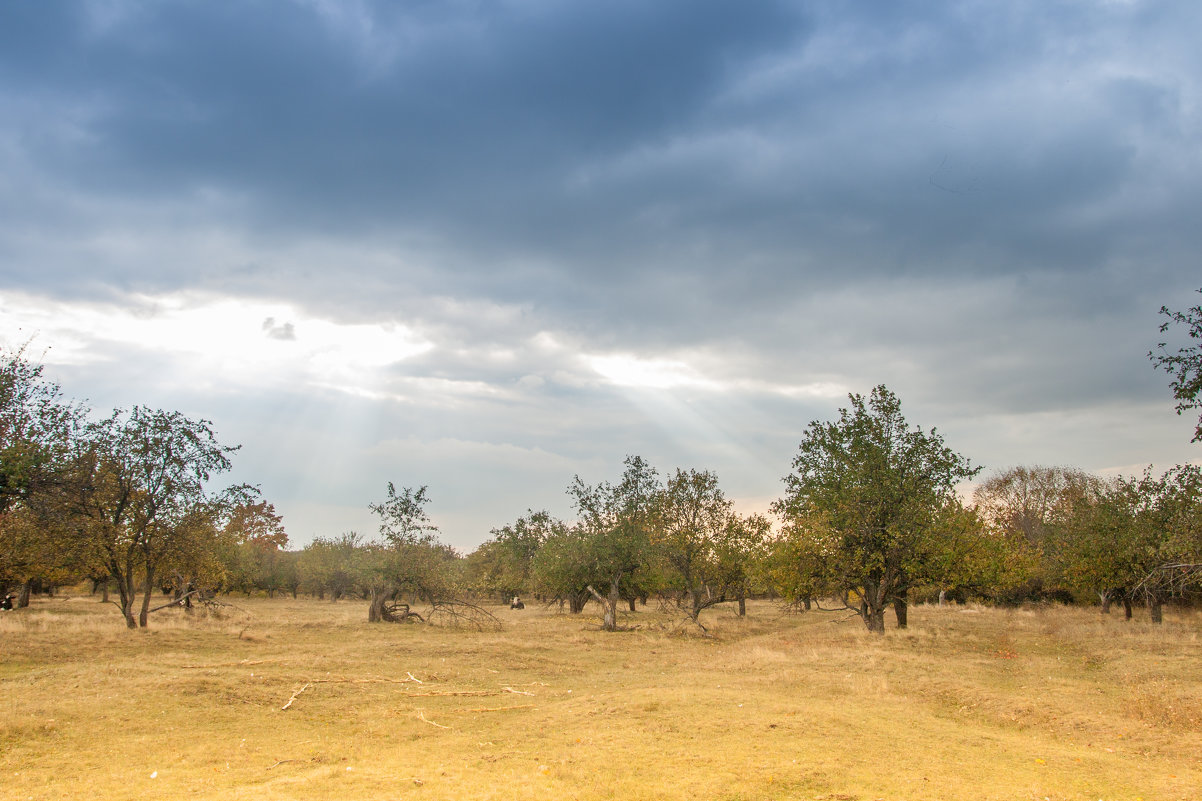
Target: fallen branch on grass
pixel 467 692
pixel 422 717
pixel 242 663
pixel 176 602
pixel 496 708
pixel 282 761
pixel 409 680
pixel 463 614
pixel 295 694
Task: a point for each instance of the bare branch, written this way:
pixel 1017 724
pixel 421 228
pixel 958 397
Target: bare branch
pixel 294 697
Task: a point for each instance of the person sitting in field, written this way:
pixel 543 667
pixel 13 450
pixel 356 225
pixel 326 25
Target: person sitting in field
pixel 7 603
pixel 516 603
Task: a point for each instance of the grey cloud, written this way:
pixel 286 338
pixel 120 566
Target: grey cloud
pixel 281 331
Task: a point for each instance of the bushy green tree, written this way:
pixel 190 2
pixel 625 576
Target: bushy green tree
pixel 36 428
pixel 691 526
pixel 1024 507
pixel 410 563
pixel 329 565
pixel 563 568
pixel 615 523
pixel 504 565
pixel 137 500
pixel 741 555
pixel 1118 540
pixel 870 491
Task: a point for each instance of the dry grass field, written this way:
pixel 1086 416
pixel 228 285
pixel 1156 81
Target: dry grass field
pixel 968 704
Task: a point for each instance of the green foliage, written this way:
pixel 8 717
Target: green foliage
pixel 403 518
pixel 411 562
pixel 36 425
pixel 563 567
pixel 330 565
pixel 693 523
pixel 870 492
pixel 504 565
pixel 740 556
pixel 1116 539
pixel 137 503
pixel 1184 364
pixel 35 428
pixel 615 533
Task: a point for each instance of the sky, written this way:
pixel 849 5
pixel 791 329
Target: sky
pixel 488 246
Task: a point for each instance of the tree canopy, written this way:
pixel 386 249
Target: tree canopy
pixel 1185 363
pixel 868 493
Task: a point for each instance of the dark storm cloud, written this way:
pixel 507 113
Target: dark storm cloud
pixel 482 120
pixel 280 97
pixel 598 158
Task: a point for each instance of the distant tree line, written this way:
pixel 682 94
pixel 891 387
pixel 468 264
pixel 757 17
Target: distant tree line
pixel 872 519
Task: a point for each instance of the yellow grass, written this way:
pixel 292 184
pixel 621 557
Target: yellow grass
pixel 968 704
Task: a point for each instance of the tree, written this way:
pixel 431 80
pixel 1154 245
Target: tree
pixel 799 563
pixel 1024 508
pixel 971 558
pixel 741 555
pixel 1122 539
pixel 36 427
pixel 255 536
pixel 562 569
pixel 505 564
pixel 870 491
pixel 615 525
pixel 329 565
pixel 403 564
pixel 692 525
pixel 412 564
pixel 137 499
pixel 1184 364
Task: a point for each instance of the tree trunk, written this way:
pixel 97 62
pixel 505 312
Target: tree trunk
pixel 125 587
pixel 609 620
pixel 632 601
pixel 1155 609
pixel 144 615
pixel 23 595
pixel 375 610
pixel 806 603
pixel 942 597
pixel 874 619
pixel 1104 599
pixel 873 600
pixel 1126 607
pixel 901 609
pixel 742 606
